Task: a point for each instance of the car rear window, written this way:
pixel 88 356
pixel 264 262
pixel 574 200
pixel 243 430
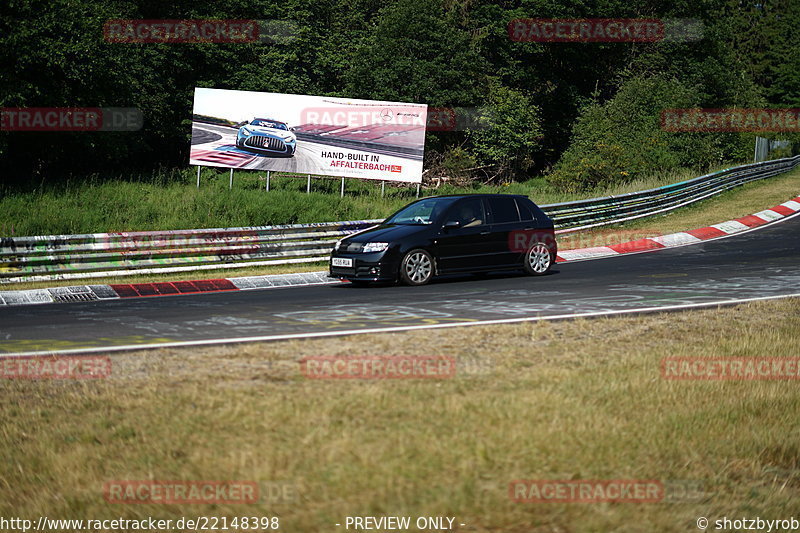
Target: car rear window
pixel 504 209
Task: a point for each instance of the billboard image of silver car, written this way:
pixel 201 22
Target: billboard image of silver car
pixel 308 134
pixel 263 135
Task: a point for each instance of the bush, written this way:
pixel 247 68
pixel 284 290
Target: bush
pixel 622 139
pixel 508 131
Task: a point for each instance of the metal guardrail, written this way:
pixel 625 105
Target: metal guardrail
pixel 583 214
pixel 113 254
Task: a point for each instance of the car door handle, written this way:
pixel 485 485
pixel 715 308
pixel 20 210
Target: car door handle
pixel 485 232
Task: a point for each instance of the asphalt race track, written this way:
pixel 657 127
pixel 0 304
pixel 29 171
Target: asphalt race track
pixel 760 263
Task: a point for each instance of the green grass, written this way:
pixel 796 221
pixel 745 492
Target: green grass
pixel 170 201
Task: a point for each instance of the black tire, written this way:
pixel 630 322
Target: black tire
pixel 538 259
pixel 417 267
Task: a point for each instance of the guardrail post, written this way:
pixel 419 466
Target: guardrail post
pixel 230 183
pixel 268 174
pixel 198 176
pixel 308 185
pixel 342 195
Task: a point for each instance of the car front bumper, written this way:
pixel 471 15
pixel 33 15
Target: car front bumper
pixel 366 267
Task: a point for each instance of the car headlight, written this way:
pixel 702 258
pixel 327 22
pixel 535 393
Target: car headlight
pixel 336 246
pixel 246 132
pixel 375 247
pixel 288 139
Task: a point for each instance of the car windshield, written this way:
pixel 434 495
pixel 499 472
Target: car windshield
pixel 422 212
pixel 268 124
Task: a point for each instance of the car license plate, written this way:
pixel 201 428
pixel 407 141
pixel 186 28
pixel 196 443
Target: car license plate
pixel 342 262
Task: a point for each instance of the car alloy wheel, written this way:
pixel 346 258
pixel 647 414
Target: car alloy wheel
pixel 538 259
pixel 416 267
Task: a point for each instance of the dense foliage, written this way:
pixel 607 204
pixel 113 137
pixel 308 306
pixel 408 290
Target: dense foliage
pixel 585 113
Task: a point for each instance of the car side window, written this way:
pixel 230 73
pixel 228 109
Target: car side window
pixel 468 213
pixel 503 209
pixel 525 212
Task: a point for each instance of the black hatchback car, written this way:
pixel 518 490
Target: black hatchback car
pixel 449 234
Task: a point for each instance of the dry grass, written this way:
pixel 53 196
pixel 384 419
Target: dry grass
pixel 566 400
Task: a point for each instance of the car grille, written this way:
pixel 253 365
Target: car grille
pixel 266 143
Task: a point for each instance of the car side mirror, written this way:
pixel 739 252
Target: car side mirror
pixel 451 224
pixel 292 128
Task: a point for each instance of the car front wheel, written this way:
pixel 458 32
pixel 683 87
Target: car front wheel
pixel 416 268
pixel 538 259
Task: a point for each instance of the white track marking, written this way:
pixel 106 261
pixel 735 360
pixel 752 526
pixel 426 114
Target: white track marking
pixel 769 215
pixel 676 239
pixel 322 334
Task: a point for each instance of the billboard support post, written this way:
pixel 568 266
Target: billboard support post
pixel 198 176
pixel 418 185
pixel 383 188
pixel 308 185
pixel 230 183
pixel 342 195
pixel 268 174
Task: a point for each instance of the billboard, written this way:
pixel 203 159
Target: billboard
pixel 308 134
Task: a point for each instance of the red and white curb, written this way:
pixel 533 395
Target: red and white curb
pixel 83 293
pixel 683 238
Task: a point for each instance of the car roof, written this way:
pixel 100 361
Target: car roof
pixel 270 120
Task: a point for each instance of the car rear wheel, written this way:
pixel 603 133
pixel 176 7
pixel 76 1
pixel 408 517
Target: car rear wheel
pixel 416 268
pixel 538 259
